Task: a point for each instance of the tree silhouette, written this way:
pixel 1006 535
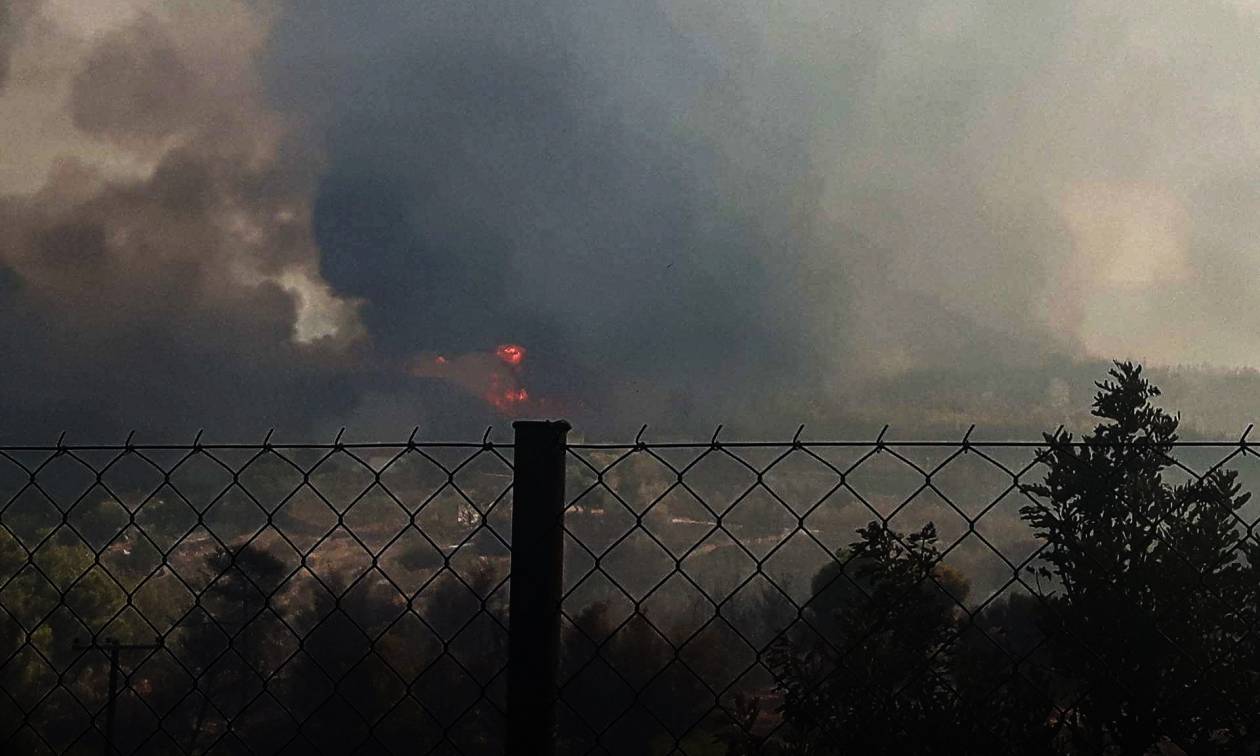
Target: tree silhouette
pixel 1003 674
pixel 1137 635
pixel 868 670
pixel 233 645
pixel 1150 588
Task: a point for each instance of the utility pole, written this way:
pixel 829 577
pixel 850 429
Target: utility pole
pixel 114 648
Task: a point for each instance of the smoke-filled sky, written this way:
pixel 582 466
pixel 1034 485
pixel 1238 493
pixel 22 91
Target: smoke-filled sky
pixel 381 214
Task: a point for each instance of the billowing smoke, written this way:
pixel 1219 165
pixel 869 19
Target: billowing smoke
pixel 8 34
pixel 169 285
pixel 927 212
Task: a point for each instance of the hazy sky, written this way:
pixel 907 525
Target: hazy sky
pixel 249 213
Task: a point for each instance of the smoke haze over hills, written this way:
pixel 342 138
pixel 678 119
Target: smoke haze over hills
pixel 246 214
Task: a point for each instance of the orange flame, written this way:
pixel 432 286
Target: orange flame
pixel 511 354
pixel 494 376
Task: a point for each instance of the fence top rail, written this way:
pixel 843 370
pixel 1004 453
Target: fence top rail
pixel 139 447
pixel 870 444
pixel 1240 444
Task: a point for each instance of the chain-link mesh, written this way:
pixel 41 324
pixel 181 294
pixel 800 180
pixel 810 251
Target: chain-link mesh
pixel 268 599
pixel 719 598
pixel 895 598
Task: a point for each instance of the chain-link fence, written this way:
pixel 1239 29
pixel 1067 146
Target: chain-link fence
pixel 699 598
pixel 270 599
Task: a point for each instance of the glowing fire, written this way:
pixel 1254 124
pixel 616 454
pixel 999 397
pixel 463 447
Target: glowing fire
pixel 492 375
pixel 505 401
pixel 511 354
pixel 504 392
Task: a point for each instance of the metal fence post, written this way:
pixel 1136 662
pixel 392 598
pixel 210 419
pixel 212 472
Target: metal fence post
pixel 537 571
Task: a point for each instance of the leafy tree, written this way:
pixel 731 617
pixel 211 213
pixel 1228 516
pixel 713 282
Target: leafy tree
pixel 51 600
pixel 1003 674
pixel 1150 587
pixel 871 674
pixel 232 646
